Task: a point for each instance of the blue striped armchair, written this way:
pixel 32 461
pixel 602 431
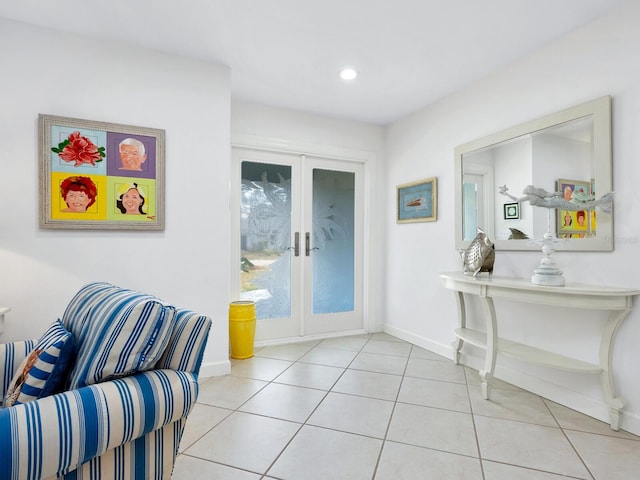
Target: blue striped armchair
pixel 123 423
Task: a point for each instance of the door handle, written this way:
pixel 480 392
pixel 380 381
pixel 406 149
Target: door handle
pixel 296 244
pixel 307 244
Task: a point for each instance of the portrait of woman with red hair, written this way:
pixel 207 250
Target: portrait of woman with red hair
pixel 79 193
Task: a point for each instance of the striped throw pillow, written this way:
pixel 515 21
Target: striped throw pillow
pixel 45 369
pixel 118 332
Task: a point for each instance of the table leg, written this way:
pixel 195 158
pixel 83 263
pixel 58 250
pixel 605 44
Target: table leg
pixel 606 347
pixel 462 322
pixel 492 346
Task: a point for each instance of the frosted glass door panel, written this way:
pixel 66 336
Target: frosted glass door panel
pixel 265 226
pixel 333 241
pixel 300 250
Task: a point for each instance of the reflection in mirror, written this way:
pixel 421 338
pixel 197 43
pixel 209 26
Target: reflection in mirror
pixel 569 151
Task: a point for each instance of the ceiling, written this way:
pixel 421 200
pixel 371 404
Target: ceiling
pixel 288 53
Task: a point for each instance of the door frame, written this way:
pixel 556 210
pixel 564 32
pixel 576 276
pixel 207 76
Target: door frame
pixel 272 145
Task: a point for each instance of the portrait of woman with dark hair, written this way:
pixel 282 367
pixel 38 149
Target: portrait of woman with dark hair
pixel 131 200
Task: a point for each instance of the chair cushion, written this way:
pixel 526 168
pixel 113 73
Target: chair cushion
pixel 118 332
pixel 44 371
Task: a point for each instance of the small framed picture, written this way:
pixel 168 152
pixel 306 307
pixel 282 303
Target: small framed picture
pixel 511 211
pixel 417 201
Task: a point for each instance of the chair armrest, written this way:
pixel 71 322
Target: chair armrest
pixel 56 434
pixel 11 356
pixel 186 342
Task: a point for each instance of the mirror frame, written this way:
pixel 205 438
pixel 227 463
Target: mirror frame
pixel 600 110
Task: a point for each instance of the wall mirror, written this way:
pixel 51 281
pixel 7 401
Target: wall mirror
pixel 570 149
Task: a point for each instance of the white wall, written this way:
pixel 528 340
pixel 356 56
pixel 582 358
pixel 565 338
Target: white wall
pixel 187 264
pixel 600 59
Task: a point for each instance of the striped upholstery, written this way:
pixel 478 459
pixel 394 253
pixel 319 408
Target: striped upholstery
pixel 57 434
pixel 118 332
pixel 189 334
pixel 125 428
pixel 44 371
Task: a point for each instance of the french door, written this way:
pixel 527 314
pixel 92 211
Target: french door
pixel 301 243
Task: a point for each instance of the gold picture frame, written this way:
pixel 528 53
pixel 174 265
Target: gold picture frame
pixel 417 201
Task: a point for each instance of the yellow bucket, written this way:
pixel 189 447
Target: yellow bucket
pixel 242 328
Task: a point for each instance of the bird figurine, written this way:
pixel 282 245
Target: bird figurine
pixel 479 255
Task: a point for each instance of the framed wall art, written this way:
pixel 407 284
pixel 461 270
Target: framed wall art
pixel 417 201
pixel 511 211
pixel 575 224
pixel 97 175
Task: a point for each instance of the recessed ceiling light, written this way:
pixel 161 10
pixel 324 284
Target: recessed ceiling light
pixel 348 73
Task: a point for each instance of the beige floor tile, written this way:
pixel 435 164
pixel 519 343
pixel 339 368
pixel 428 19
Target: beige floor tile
pixel 435 370
pixel 433 393
pixel 511 405
pixel 433 428
pixel 572 420
pixel 374 362
pixel 369 384
pixel 400 349
pixel 500 471
pixel 608 458
pixel 190 468
pixel 331 357
pixel 473 378
pixel 385 337
pixel 290 352
pixel 286 402
pixel 321 454
pixel 353 414
pixel 242 440
pixel 532 446
pixel 310 375
pixel 417 352
pixel 352 343
pixel 408 462
pixel 259 368
pixel 201 419
pixel 228 391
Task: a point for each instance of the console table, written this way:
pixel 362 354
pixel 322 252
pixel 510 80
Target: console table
pixel 617 301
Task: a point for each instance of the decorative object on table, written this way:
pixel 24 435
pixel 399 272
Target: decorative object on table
pixel 417 201
pixel 479 255
pixel 96 175
pixel 547 272
pixel 511 211
pixel 517 234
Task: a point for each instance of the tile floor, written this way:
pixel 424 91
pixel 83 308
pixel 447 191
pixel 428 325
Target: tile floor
pixel 376 407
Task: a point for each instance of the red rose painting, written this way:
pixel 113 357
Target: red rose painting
pixel 80 150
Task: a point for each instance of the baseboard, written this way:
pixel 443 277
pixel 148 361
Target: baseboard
pixel 422 342
pixel 577 401
pixel 215 369
pixel 307 338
